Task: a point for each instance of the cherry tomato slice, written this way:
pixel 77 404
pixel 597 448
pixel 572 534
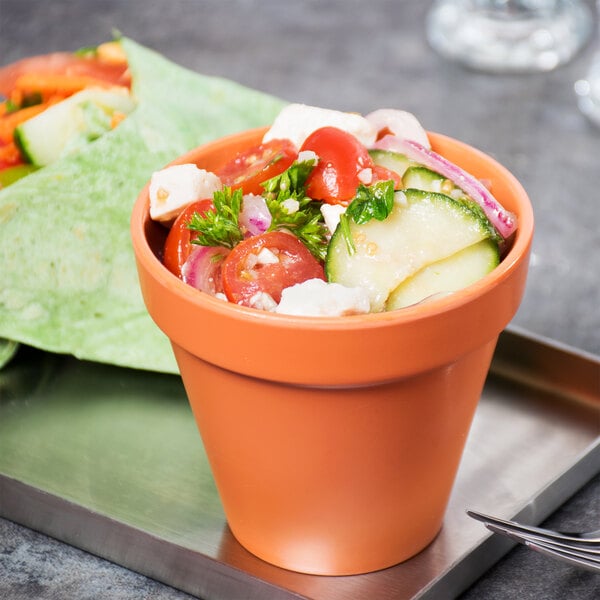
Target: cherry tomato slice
pixel 178 244
pixel 245 273
pixel 341 158
pixel 258 164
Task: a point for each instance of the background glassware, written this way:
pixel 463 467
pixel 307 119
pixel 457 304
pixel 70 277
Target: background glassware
pixel 588 88
pixel 509 35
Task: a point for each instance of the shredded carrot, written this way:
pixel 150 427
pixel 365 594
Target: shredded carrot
pixel 49 84
pixel 9 121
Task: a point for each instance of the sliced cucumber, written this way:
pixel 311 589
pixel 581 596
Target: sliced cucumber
pixel 67 125
pixel 422 178
pixel 394 161
pixel 422 228
pixel 447 275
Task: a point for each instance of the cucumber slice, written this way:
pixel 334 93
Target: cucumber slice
pixel 70 124
pixel 422 228
pixel 422 178
pixel 394 161
pixel 447 275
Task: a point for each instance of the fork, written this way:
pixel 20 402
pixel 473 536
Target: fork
pixel 581 549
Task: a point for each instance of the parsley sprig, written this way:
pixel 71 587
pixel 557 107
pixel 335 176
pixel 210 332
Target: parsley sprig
pixel 286 199
pixel 219 227
pixel 293 210
pixel 371 202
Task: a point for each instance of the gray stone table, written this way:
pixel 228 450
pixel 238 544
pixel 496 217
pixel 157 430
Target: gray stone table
pixel 358 56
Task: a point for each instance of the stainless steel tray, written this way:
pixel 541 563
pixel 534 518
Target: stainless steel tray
pixel 109 460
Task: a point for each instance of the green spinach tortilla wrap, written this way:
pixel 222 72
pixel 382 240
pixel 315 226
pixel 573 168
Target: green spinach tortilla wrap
pixel 69 282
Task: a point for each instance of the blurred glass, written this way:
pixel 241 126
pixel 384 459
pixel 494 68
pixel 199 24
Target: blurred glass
pixel 588 88
pixel 509 35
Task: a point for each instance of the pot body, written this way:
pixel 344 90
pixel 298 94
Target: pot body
pixel 334 442
pixel 335 480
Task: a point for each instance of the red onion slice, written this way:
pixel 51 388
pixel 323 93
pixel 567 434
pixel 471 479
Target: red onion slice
pixel 202 269
pixel 254 217
pixel 503 220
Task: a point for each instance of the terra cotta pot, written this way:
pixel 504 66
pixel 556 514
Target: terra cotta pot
pixel 334 442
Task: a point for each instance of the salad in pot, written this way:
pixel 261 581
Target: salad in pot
pixel 332 213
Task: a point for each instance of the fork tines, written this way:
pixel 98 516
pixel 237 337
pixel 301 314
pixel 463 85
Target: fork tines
pixel 582 550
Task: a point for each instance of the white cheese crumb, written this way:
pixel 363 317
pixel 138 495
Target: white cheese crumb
pixel 400 198
pixel 307 155
pixel 262 301
pixel 365 176
pixel 291 206
pixel 174 188
pixel 296 122
pixel 318 298
pixel 266 257
pixel 331 215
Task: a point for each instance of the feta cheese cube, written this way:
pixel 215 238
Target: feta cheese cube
pixel 174 188
pixel 297 121
pixel 317 298
pixel 401 123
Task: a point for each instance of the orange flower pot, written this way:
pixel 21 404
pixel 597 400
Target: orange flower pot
pixel 334 442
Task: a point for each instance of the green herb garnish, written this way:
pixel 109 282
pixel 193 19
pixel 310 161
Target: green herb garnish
pixel 371 202
pixel 293 210
pixel 292 180
pixel 286 199
pixel 219 227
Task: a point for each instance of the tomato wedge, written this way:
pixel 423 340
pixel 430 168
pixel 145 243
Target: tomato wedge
pixel 258 164
pixel 268 263
pixel 341 159
pixel 178 244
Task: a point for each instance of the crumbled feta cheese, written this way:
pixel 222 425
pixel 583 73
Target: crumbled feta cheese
pixel 400 198
pixel 297 121
pixel 307 155
pixel 331 215
pixel 365 176
pixel 266 257
pixel 262 301
pixel 401 123
pixel 317 298
pixel 291 206
pixel 173 188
